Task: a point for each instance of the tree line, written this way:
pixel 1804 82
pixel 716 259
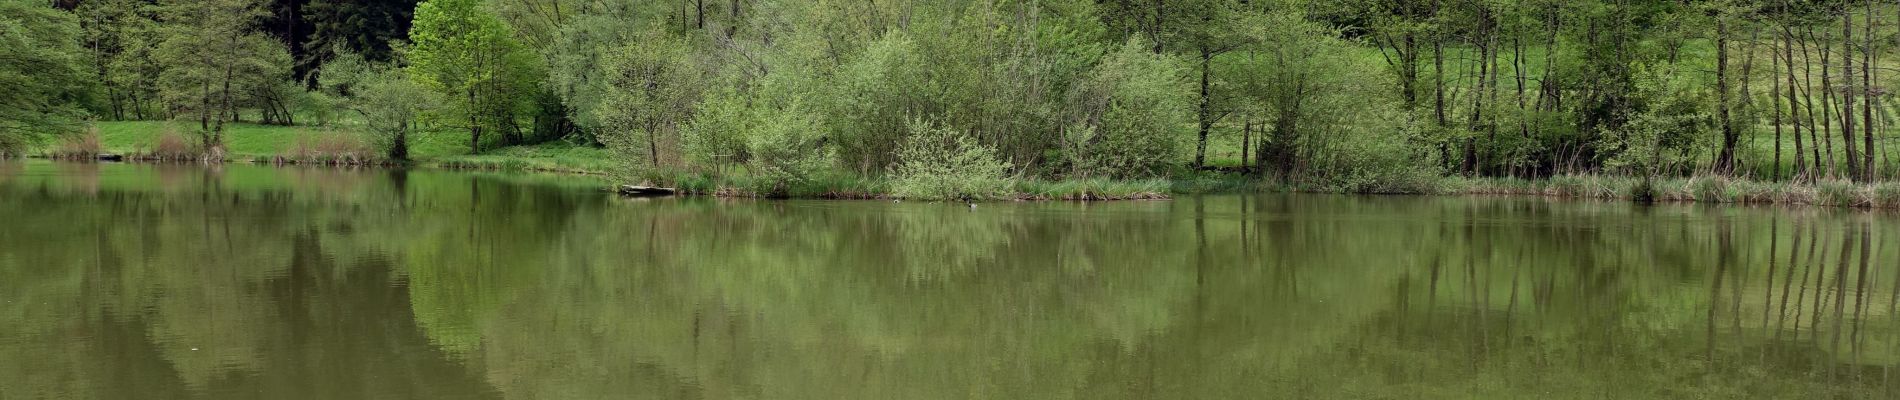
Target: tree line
pixel 1363 95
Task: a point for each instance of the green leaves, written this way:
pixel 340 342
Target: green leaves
pixel 941 163
pixel 653 91
pixel 465 53
pixel 1128 115
pixel 41 74
pixel 212 61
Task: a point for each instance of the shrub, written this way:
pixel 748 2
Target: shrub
pixel 786 147
pixel 937 163
pixel 1886 194
pixel 715 136
pixel 172 146
pixel 84 146
pixel 1842 193
pixel 1368 165
pixel 330 149
pixel 1128 116
pixel 389 104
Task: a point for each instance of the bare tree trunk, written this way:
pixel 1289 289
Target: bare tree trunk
pixel 1828 106
pixel 1246 142
pixel 1523 105
pixel 1774 99
pixel 474 125
pixel 1745 98
pixel 1847 94
pixel 1207 111
pixel 204 107
pixel 1491 86
pixel 1438 71
pixel 1154 31
pixel 1724 163
pixel 1867 90
pixel 653 144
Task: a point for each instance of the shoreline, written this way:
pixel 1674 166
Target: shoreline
pixel 1822 192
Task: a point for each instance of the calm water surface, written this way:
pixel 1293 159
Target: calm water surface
pixel 128 281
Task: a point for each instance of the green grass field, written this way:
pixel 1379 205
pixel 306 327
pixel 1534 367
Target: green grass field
pixel 446 149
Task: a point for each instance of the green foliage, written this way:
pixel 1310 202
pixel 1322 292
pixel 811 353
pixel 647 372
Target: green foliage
pixel 786 146
pixel 485 75
pixel 390 105
pixel 939 163
pixel 42 83
pixel 122 36
pixel 577 57
pixel 1128 116
pixel 1356 95
pixel 1670 123
pixel 721 125
pixel 875 94
pixel 366 28
pixel 213 62
pixel 654 87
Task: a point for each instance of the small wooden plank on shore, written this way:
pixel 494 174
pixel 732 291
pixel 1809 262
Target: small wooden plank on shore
pixel 644 191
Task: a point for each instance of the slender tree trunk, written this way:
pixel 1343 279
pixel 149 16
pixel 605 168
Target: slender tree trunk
pixel 1246 142
pixel 1408 70
pixel 1491 86
pixel 1724 163
pixel 653 144
pixel 1847 95
pixel 1550 98
pixel 204 107
pixel 1774 99
pixel 1866 90
pixel 1523 105
pixel 1154 30
pixel 474 125
pixel 1207 111
pixel 1745 98
pixel 1438 72
pixel 1828 105
pixel 217 132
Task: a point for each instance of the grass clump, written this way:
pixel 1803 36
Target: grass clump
pixel 1592 186
pixel 86 146
pixel 1841 193
pixel 329 148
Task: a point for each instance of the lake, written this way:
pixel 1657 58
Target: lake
pixel 123 281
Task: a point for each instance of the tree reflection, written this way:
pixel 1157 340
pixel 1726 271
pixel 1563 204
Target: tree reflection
pixel 128 281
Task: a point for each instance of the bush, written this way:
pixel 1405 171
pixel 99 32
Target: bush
pixel 1128 118
pixel 390 103
pixel 329 149
pixel 786 147
pixel 715 136
pixel 937 163
pixel 80 147
pixel 172 146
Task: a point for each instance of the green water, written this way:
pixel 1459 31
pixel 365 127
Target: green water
pixel 145 282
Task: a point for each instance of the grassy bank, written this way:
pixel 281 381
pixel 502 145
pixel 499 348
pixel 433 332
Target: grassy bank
pixel 245 142
pixel 851 186
pixel 1828 193
pixel 448 150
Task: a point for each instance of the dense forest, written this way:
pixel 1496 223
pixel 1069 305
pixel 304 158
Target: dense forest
pixel 948 97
